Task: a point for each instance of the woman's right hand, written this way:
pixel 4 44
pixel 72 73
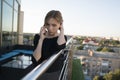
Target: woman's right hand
pixel 42 33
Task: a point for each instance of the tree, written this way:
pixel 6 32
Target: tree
pixel 108 76
pixel 80 47
pixel 96 78
pixel 116 74
pixel 105 49
pixel 99 49
pixel 112 75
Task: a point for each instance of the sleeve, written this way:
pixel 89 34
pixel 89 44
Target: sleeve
pixel 63 45
pixel 35 41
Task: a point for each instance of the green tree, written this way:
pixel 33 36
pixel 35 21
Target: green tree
pixel 115 42
pixel 116 74
pixel 99 49
pixel 108 76
pixel 79 39
pixel 112 75
pixel 111 50
pixel 102 42
pixel 96 78
pixel 80 47
pixel 105 49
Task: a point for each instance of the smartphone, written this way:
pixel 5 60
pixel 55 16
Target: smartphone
pixel 45 31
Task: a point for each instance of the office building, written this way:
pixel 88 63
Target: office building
pixel 10 22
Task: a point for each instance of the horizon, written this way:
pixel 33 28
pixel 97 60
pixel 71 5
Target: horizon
pixel 99 18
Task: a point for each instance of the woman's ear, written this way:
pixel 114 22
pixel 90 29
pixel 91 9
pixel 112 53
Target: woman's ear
pixel 60 26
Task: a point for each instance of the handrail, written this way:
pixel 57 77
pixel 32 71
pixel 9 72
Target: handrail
pixel 64 66
pixel 66 69
pixel 41 68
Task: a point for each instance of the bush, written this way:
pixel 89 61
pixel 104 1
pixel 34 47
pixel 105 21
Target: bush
pixel 99 49
pixel 80 47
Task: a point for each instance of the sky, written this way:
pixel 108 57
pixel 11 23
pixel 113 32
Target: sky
pixel 81 17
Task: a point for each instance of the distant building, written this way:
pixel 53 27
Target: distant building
pixel 89 42
pixel 98 64
pixel 113 38
pixel 10 22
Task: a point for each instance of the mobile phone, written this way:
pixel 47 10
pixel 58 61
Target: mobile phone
pixel 45 31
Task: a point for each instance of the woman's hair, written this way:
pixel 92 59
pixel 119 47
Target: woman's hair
pixel 54 14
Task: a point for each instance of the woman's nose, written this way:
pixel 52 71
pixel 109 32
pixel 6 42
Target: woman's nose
pixel 50 27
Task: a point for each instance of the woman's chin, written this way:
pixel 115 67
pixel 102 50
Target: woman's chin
pixel 51 34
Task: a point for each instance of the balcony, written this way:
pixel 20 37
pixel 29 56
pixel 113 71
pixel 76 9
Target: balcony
pixel 15 64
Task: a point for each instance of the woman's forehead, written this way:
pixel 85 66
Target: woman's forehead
pixel 52 20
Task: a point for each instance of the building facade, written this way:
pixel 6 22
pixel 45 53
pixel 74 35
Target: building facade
pixel 9 22
pixel 99 63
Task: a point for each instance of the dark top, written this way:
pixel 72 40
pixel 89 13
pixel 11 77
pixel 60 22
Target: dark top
pixel 49 47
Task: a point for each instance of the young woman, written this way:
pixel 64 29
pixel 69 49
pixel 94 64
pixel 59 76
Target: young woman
pixel 51 38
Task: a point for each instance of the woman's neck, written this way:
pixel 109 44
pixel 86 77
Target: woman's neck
pixel 52 35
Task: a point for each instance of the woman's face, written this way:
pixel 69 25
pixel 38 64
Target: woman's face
pixel 52 26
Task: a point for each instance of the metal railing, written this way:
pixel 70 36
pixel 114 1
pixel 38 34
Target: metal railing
pixel 41 68
pixel 66 71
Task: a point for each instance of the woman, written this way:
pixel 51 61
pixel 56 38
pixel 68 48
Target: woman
pixel 49 40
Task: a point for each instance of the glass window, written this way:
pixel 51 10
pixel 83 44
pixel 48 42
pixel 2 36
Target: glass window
pixel 15 21
pixel 16 5
pixel 15 24
pixel 10 2
pixel 19 1
pixel 6 25
pixel 0 22
pixel 0 14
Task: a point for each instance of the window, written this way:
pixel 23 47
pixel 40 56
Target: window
pixel 0 22
pixel 15 24
pixel 6 25
pixel 0 14
pixel 10 2
pixel 16 5
pixel 19 1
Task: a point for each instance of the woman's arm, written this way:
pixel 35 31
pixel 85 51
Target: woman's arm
pixel 61 39
pixel 38 50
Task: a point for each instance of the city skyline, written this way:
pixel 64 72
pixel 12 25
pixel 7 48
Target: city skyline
pixel 86 18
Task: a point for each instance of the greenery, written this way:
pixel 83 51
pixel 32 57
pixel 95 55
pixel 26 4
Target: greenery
pixel 99 49
pixel 105 49
pixel 77 73
pixel 110 76
pixel 80 47
pixel 96 78
pixel 79 40
pixel 109 42
pixel 103 42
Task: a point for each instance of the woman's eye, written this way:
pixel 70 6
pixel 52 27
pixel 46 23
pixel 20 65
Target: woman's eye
pixel 47 24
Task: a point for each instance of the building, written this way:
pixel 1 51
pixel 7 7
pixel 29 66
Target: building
pixel 10 22
pixel 98 64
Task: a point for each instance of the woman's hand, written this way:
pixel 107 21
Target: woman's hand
pixel 61 39
pixel 61 29
pixel 42 33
